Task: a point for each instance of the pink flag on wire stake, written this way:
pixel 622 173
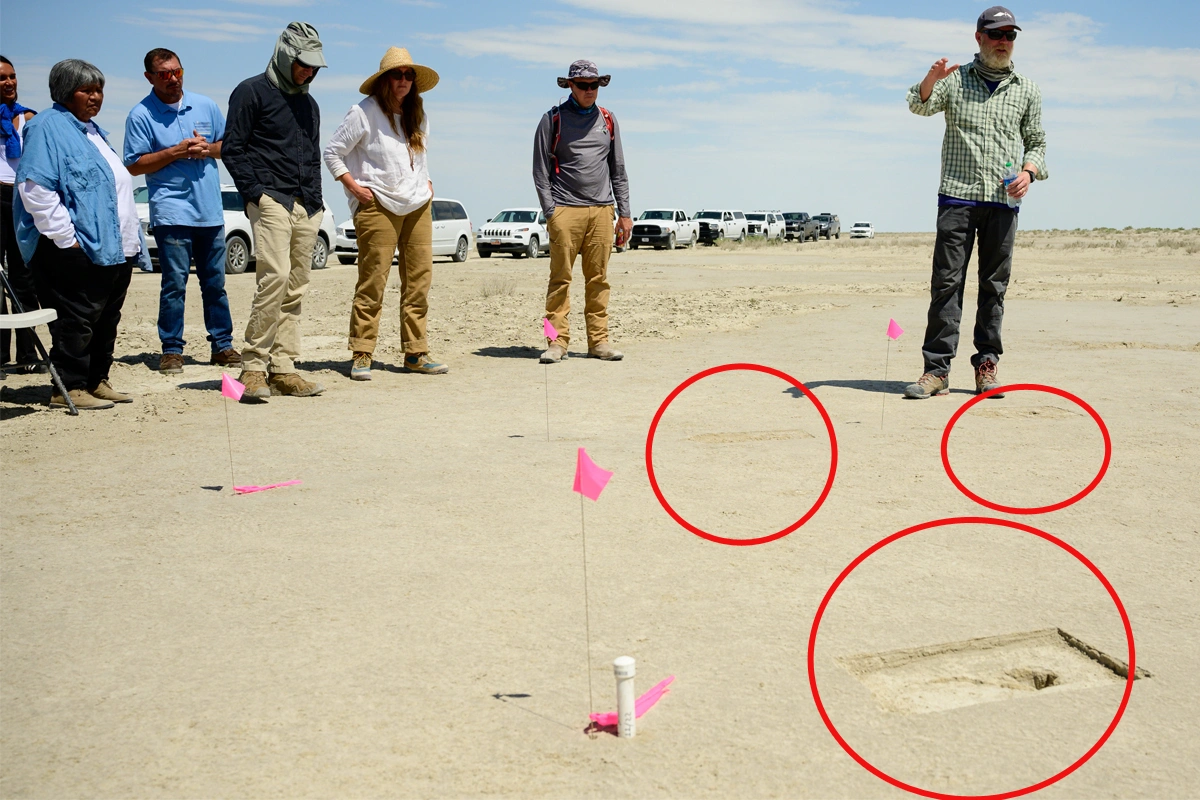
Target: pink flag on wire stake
pixel 550 331
pixel 252 489
pixel 641 706
pixel 590 479
pixel 894 330
pixel 231 388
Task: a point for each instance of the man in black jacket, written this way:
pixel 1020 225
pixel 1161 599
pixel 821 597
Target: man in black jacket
pixel 273 152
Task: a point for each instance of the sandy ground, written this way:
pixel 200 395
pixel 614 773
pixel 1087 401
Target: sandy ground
pixel 409 621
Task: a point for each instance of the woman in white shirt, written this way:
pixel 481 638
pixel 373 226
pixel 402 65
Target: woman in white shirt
pixel 378 154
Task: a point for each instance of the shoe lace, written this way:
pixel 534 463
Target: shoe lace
pixel 362 360
pixel 987 369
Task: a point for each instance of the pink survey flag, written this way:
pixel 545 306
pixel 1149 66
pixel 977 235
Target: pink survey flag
pixel 640 706
pixel 549 330
pixel 894 330
pixel 590 479
pixel 252 489
pixel 231 388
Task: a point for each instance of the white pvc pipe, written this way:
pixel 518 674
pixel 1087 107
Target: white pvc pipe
pixel 625 668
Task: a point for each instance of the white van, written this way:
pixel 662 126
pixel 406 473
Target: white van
pixel 451 233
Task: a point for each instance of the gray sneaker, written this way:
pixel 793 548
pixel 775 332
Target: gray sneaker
pixel 928 386
pixel 987 378
pixel 554 354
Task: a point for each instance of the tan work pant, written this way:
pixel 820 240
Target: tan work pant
pixel 574 230
pixel 283 245
pixel 379 231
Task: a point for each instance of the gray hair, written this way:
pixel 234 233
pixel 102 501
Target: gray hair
pixel 68 75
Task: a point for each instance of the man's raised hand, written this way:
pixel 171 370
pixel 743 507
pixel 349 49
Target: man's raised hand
pixel 936 72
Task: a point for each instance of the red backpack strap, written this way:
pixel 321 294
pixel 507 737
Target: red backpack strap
pixel 556 128
pixel 608 123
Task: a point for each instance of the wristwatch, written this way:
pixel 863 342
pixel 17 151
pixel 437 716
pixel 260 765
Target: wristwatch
pixel 1032 175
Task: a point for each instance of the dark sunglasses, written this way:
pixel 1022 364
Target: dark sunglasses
pixel 996 36
pixel 167 74
pixel 408 74
pixel 586 86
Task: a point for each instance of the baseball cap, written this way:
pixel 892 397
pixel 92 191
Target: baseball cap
pixel 996 17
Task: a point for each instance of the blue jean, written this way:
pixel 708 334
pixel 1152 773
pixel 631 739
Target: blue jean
pixel 178 245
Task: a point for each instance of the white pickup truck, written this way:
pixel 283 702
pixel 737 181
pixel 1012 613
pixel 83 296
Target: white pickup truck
pixel 664 227
pixel 721 225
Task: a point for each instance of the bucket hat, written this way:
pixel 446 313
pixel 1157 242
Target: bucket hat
pixel 396 58
pixel 583 69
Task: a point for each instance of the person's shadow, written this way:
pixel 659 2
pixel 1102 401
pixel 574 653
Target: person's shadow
pixel 876 386
pixel 512 351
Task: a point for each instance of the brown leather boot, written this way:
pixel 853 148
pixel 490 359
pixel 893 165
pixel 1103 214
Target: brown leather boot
pixel 83 400
pixel 105 391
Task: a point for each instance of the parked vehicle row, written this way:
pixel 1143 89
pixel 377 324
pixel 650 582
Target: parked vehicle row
pixel 451 233
pixel 664 228
pixel 240 250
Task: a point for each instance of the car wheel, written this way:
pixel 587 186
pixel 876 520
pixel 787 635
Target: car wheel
pixel 460 252
pixel 671 240
pixel 237 254
pixel 347 259
pixel 837 235
pixel 320 257
pixel 533 250
pixel 633 247
pixel 485 253
pixel 742 236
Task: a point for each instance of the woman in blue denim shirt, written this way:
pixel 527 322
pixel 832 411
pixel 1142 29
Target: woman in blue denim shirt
pixel 78 228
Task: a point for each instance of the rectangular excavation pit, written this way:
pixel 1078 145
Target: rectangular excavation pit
pixel 940 677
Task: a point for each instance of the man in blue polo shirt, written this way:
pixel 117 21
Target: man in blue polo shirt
pixel 174 137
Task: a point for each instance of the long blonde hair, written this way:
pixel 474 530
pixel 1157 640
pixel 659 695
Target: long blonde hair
pixel 411 111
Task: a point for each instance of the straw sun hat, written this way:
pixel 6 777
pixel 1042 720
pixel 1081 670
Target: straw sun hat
pixel 396 58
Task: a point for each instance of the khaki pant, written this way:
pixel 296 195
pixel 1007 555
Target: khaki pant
pixel 574 230
pixel 283 244
pixel 379 231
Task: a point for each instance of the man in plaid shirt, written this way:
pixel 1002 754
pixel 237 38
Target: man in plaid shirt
pixel 993 116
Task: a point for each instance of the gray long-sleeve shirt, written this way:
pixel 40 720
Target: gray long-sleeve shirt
pixel 591 169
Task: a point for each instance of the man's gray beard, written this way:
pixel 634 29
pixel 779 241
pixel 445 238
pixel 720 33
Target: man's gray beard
pixel 992 60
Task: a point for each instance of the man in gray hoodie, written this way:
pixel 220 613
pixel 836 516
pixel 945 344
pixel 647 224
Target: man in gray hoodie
pixel 579 172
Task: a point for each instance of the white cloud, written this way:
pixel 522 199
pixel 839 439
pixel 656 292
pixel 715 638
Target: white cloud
pixel 210 25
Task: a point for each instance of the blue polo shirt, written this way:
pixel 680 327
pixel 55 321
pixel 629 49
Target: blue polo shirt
pixel 186 191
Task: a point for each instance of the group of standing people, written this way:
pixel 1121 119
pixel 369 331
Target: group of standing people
pixel 72 234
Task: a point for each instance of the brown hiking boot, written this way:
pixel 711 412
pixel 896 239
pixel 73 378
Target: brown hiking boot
pixel 554 354
pixel 171 364
pixel 227 358
pixel 987 377
pixel 83 400
pixel 290 383
pixel 255 382
pixel 605 352
pixel 360 366
pixel 927 386
pixel 104 391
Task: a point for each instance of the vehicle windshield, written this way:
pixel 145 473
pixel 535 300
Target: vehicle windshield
pixel 756 217
pixel 792 216
pixel 232 201
pixel 141 194
pixel 708 215
pixel 822 217
pixel 667 215
pixel 515 216
pixel 862 224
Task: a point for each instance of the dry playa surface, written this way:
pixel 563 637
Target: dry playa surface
pixel 410 619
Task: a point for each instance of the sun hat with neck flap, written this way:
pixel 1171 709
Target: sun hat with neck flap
pixel 398 58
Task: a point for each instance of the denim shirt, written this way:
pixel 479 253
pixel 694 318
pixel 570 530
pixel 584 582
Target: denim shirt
pixel 58 156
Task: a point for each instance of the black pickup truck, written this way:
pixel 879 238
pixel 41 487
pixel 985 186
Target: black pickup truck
pixel 831 226
pixel 800 226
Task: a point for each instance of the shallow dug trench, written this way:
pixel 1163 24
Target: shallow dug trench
pixel 940 677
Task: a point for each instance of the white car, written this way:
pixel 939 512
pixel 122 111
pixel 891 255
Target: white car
pixel 239 237
pixel 520 231
pixel 664 227
pixel 767 224
pixel 451 233
pixel 862 230
pixel 720 224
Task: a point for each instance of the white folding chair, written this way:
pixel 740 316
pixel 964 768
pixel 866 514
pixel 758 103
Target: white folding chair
pixel 31 319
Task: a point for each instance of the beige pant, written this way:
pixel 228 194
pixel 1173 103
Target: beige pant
pixel 283 245
pixel 574 230
pixel 379 231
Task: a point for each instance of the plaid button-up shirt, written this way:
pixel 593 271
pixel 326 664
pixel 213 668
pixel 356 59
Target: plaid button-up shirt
pixel 983 130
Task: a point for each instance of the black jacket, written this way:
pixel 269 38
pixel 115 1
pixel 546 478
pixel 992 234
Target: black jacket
pixel 272 144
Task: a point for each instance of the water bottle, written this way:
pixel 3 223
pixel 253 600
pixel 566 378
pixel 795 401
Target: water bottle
pixel 1010 175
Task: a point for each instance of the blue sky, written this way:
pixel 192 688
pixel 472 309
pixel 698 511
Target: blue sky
pixel 783 104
